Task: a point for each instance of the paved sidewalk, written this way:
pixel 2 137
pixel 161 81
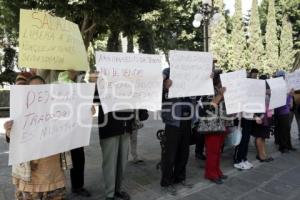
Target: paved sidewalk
pixel 276 180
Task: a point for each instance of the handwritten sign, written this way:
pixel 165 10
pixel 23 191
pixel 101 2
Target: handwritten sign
pixel 243 94
pixel 293 80
pixel 129 81
pixel 255 98
pixel 49 119
pixel 190 73
pixel 234 95
pixel 48 42
pixel 278 92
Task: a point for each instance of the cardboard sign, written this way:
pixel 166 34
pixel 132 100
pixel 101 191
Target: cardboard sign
pixel 48 42
pixel 235 94
pixel 278 92
pixel 129 81
pixel 49 119
pixel 190 72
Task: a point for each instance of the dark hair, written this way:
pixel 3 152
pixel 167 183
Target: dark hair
pixel 254 71
pixel 263 77
pixel 36 78
pixel 217 79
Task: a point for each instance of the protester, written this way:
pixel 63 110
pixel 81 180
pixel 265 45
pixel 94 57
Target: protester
pixel 39 179
pixel 261 130
pixel 50 76
pixel 78 157
pixel 175 152
pixel 241 151
pixel 199 149
pixel 214 139
pixel 283 126
pixel 21 79
pixel 114 133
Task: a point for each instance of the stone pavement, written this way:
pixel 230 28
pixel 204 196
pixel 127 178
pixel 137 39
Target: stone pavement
pixel 277 180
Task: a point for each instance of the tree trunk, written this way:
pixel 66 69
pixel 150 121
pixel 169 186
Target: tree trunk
pixel 146 40
pixel 130 44
pixel 114 42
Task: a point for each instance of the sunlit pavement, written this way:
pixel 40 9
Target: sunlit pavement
pixel 279 179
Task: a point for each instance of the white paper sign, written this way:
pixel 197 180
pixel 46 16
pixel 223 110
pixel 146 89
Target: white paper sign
pixel 49 119
pixel 190 73
pixel 278 92
pixel 255 98
pixel 293 80
pixel 129 81
pixel 243 94
pixel 235 93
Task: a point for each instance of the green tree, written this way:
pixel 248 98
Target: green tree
pixel 287 52
pixel 272 44
pixel 171 26
pixel 289 8
pixel 8 75
pixel 255 45
pixel 238 39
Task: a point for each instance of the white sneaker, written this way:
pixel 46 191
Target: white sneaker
pixel 241 166
pixel 247 163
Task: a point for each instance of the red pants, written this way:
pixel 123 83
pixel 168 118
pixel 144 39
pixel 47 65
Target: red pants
pixel 213 146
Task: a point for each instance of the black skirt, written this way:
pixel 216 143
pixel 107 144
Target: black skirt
pixel 260 131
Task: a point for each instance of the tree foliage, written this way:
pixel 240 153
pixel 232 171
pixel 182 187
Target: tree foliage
pixel 238 39
pixel 272 44
pixel 255 48
pixel 287 52
pixel 161 25
pixel 289 8
pixel 220 45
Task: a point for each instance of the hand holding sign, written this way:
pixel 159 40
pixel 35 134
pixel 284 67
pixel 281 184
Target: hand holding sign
pixel 7 127
pixel 49 119
pixel 167 83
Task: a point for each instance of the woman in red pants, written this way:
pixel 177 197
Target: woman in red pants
pixel 215 130
pixel 213 146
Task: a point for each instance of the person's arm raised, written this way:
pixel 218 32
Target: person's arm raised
pixel 219 97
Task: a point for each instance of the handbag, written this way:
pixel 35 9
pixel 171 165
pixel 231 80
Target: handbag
pixel 212 124
pixel 235 136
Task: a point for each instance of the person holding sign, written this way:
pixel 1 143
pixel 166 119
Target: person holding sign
pixel 176 114
pixel 78 157
pixel 43 178
pixel 241 151
pixel 114 133
pixel 21 79
pixel 261 130
pixel 214 123
pixel 283 127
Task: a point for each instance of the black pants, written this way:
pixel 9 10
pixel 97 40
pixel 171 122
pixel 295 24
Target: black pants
pixel 199 150
pixel 77 172
pixel 241 151
pixel 284 132
pixel 175 153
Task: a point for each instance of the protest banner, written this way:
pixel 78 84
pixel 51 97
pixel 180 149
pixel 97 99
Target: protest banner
pixel 234 94
pixel 293 80
pixel 129 81
pixel 190 72
pixel 255 96
pixel 48 42
pixel 49 119
pixel 278 92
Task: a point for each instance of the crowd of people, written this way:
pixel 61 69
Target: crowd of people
pixel 44 179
